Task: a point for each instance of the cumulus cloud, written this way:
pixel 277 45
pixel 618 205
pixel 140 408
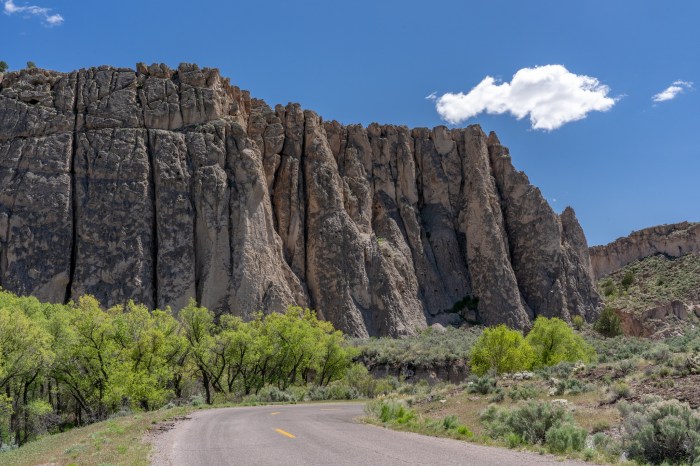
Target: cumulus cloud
pixel 672 91
pixel 47 18
pixel 550 95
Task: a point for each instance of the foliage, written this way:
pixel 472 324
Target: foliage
pixel 395 411
pixel 500 349
pixel 618 348
pixel 522 392
pixel 627 279
pixel 3 66
pixel 68 365
pixel 430 347
pixel 482 385
pixel 608 323
pixel 662 432
pixel 529 422
pixel 577 322
pixel 467 302
pixel 571 387
pixel 566 437
pixel 553 341
pixel 31 64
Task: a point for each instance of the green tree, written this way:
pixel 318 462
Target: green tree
pixel 500 349
pixel 608 323
pixel 577 322
pixel 553 341
pixel 3 66
pixel 31 64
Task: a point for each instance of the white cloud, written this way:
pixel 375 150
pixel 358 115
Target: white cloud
pixel 672 91
pixel 550 95
pixel 431 96
pixel 48 18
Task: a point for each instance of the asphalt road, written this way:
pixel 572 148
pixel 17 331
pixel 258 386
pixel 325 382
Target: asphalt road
pixel 315 434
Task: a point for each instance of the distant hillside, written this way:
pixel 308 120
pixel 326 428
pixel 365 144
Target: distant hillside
pixel 653 293
pixel 673 240
pixel 651 278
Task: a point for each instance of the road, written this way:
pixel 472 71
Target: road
pixel 315 434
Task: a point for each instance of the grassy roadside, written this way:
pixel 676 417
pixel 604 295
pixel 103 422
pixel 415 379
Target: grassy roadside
pixel 457 414
pixel 115 441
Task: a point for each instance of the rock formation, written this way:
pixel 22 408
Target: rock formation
pixel 673 240
pixel 159 185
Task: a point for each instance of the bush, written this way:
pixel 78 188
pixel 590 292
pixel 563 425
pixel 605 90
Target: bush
pixel 662 432
pixel 500 349
pixel 577 322
pixel 627 279
pixel 272 394
pixel 608 323
pixel 566 437
pixel 571 387
pixel 621 390
pixel 390 411
pixel 608 287
pixel 482 385
pixel 31 64
pixel 529 422
pixel 522 392
pixel 553 341
pixel 450 422
pixel 3 66
pixel 196 400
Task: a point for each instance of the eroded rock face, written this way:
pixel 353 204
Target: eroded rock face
pixel 162 185
pixel 673 240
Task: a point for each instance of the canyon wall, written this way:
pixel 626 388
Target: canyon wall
pixel 161 185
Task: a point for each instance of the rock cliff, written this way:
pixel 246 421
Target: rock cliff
pixel 161 184
pixel 673 240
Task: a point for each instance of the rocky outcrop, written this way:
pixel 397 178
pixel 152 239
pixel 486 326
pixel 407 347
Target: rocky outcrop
pixel 674 240
pixel 161 185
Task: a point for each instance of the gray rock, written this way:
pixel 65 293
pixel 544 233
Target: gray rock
pixel 161 185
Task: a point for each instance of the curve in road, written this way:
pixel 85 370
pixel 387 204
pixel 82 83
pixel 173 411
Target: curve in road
pixel 316 434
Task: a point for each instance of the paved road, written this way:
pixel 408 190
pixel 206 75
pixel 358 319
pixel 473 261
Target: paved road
pixel 315 434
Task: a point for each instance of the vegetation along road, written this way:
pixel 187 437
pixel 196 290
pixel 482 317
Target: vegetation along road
pixel 315 434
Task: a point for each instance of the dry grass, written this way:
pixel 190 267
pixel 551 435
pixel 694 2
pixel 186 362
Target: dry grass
pixel 116 441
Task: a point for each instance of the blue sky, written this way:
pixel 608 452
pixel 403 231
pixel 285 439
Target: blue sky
pixel 637 164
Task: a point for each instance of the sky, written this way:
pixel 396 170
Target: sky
pixel 597 100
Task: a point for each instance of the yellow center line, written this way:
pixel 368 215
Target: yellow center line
pixel 275 413
pixel 286 434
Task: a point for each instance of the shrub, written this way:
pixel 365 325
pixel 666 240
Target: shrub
pixel 530 422
pixel 390 411
pixel 482 385
pixel 464 430
pixel 566 437
pixel 627 279
pixel 571 387
pixel 500 349
pixel 608 323
pixel 553 341
pixel 577 322
pixel 31 64
pixel 450 422
pixel 522 392
pixel 608 287
pixel 197 400
pixel 3 66
pixel 272 394
pixel 662 432
pixel 621 390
